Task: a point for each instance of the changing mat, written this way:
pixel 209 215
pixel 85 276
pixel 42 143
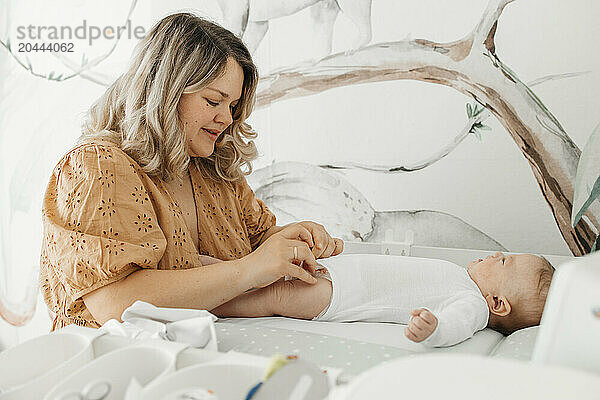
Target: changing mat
pixel 354 347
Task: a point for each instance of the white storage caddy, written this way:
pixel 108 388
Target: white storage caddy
pixel 65 362
pixel 32 368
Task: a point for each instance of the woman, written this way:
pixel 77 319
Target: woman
pixel 154 195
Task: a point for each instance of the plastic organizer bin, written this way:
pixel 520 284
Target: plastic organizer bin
pixel 32 368
pixel 227 381
pixel 65 364
pixel 117 368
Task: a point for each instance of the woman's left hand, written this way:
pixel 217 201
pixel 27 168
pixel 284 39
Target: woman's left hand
pixel 325 246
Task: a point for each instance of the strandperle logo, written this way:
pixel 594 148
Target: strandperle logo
pixel 83 31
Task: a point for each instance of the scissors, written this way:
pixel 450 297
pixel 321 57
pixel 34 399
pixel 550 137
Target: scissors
pixel 98 390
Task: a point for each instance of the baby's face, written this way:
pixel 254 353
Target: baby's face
pixel 501 273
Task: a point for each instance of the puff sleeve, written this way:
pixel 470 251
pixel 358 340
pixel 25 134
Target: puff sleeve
pixel 99 223
pixel 256 215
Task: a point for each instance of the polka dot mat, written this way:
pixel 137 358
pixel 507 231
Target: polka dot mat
pixel 518 346
pixel 351 356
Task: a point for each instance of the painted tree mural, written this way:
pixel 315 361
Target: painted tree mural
pixel 471 66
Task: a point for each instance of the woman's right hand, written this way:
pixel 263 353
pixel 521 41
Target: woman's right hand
pixel 276 258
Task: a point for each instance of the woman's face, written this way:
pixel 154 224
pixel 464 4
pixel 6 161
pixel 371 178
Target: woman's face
pixel 207 113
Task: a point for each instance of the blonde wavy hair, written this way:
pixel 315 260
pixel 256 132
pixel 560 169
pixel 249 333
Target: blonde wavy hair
pixel 183 53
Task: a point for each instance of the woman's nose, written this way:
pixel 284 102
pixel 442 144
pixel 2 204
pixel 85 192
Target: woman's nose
pixel 224 117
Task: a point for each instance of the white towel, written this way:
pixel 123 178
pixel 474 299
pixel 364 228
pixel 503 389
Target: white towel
pixel 144 321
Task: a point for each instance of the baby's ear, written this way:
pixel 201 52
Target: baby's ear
pixel 498 305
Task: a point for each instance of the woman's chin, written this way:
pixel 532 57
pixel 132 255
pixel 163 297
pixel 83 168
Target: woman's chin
pixel 201 152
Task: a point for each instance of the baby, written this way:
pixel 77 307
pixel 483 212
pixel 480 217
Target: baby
pixel 442 303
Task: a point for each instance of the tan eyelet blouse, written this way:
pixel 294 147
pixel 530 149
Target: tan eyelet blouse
pixel 105 218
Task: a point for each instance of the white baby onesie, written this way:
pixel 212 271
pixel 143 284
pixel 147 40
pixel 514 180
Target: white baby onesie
pixel 379 288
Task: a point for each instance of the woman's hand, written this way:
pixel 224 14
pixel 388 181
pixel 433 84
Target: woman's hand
pixel 285 253
pixel 324 245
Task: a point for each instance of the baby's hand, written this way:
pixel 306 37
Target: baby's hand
pixel 421 325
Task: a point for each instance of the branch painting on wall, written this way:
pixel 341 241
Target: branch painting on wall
pixel 249 19
pixel 325 191
pixel 471 66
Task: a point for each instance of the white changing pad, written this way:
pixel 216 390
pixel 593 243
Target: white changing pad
pixel 384 334
pixel 354 346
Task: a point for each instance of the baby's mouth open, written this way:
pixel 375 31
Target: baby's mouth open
pixel 474 263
